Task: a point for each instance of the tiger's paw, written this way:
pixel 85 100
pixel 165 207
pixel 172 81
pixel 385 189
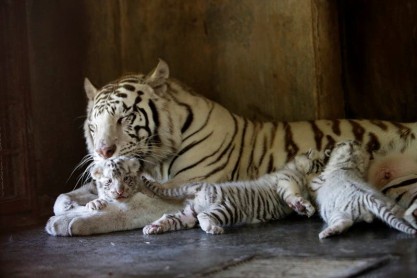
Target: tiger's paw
pixel 63 204
pixel 153 229
pixel 301 206
pixel 96 204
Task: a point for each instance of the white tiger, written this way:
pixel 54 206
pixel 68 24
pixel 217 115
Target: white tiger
pixel 116 180
pixel 182 137
pixel 271 197
pixel 344 198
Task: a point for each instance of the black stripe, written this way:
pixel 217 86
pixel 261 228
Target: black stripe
pixel 221 167
pixel 404 183
pixel 400 196
pixel 270 163
pixel 200 161
pixel 155 115
pixel 203 126
pixel 229 145
pixel 318 134
pixel 412 200
pixel 184 150
pixel 252 146
pixel 189 120
pixel 263 153
pixel 242 142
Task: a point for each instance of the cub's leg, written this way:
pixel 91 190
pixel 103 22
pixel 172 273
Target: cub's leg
pixel 209 221
pixel 291 194
pixel 181 220
pixel 96 204
pixel 338 223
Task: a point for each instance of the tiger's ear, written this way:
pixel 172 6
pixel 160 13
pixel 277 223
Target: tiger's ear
pixel 158 77
pixel 89 88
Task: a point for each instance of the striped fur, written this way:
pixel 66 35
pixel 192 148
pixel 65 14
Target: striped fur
pixel 116 180
pixel 182 137
pixel 343 197
pixel 270 197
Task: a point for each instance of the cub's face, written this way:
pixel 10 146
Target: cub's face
pixel 117 179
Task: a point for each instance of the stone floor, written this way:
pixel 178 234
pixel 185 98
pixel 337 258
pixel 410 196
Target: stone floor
pixel 289 248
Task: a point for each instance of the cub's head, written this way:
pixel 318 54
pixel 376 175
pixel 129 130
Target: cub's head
pixel 117 179
pixel 310 162
pixel 349 155
pixel 132 117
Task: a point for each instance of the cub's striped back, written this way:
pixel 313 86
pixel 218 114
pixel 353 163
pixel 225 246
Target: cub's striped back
pixel 343 197
pixel 270 197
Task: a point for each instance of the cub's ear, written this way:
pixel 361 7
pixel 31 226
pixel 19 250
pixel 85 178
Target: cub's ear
pixel 96 172
pixel 158 77
pixel 134 165
pixel 89 88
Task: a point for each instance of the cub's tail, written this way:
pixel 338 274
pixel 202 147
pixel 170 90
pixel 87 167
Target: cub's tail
pixel 158 189
pixel 380 209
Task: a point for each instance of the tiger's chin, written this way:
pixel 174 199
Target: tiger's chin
pixel 385 169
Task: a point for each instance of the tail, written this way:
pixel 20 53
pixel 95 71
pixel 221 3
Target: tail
pixel 179 193
pixel 380 209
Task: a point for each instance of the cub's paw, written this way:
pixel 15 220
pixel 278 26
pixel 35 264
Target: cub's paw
pixel 96 204
pixel 331 231
pixel 152 229
pixel 301 206
pixel 64 204
pixel 214 230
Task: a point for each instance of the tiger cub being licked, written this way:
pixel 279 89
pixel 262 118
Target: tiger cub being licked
pixel 116 179
pixel 212 205
pixel 343 197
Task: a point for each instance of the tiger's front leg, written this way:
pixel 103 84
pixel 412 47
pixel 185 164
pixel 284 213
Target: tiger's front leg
pixel 73 199
pixel 185 219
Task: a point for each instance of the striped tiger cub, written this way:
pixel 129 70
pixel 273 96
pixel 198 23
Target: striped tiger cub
pixel 270 197
pixel 343 197
pixel 116 180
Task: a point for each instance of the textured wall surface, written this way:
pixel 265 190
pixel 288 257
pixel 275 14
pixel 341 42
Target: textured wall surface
pixel 265 60
pixel 381 59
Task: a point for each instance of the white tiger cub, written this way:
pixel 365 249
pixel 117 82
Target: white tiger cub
pixel 343 197
pixel 212 205
pixel 116 180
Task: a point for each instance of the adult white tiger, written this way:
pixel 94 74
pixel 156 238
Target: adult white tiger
pixel 183 137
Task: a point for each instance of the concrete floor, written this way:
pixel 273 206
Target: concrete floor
pixel 288 248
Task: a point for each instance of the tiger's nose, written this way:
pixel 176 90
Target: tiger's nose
pixel 106 152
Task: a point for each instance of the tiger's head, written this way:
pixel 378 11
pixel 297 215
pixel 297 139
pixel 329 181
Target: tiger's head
pixel 132 116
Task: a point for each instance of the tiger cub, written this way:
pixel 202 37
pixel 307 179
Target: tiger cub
pixel 116 179
pixel 270 197
pixel 343 197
